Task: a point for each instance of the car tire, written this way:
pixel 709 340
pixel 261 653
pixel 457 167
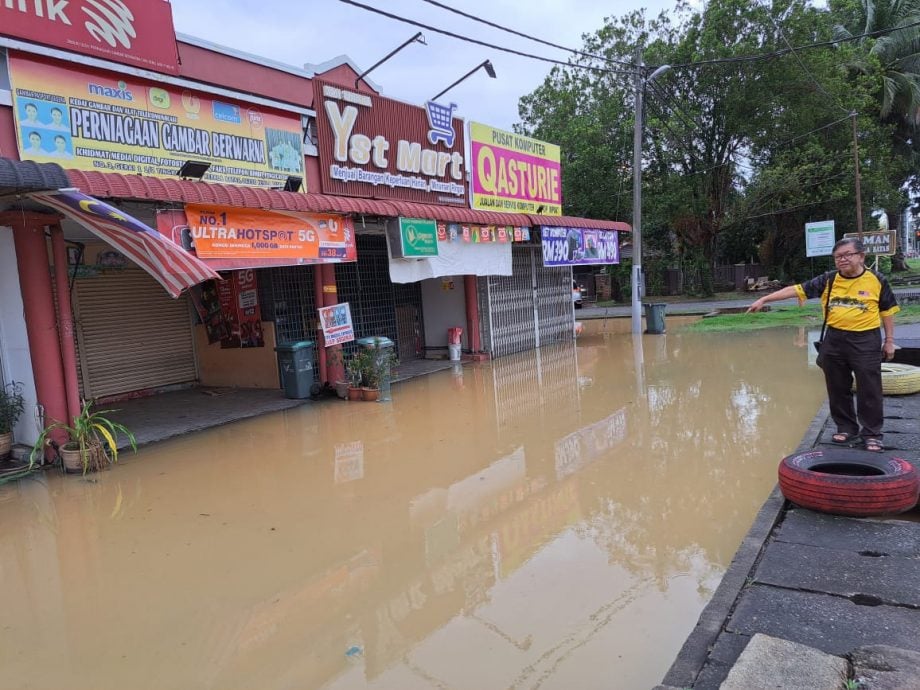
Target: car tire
pixel 849 482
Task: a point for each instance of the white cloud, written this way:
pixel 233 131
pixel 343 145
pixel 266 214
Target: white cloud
pixel 318 30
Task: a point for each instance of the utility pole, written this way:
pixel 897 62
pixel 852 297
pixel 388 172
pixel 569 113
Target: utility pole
pixel 859 218
pixel 637 200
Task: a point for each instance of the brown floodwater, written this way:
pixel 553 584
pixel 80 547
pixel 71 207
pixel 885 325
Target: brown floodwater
pixel 555 520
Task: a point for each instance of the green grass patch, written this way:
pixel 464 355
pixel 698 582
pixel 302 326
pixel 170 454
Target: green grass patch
pixel 781 317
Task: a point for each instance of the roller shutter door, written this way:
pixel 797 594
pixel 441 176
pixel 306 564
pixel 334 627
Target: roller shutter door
pixel 131 334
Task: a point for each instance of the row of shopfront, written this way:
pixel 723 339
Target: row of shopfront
pixel 273 205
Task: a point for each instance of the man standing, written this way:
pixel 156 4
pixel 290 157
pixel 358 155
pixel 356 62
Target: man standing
pixel 859 301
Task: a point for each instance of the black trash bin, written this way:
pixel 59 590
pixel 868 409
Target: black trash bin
pixel 654 317
pixel 384 348
pixel 296 363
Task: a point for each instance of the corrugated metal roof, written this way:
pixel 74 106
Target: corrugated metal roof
pixel 575 222
pixel 18 177
pixel 118 186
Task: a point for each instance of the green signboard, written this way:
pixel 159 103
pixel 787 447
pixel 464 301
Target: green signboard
pixel 418 238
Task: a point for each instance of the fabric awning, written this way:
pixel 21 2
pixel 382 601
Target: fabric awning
pixel 172 267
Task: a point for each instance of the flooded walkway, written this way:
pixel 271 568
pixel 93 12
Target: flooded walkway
pixel 555 520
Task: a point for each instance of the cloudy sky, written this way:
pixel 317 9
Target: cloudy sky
pixel 297 32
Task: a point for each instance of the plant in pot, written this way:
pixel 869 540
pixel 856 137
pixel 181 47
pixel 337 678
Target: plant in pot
pixel 379 362
pixel 12 405
pixel 336 357
pixel 92 444
pixel 354 369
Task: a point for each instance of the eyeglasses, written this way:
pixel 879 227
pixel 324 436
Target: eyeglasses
pixel 846 257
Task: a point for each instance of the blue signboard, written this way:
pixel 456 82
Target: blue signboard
pixel 579 246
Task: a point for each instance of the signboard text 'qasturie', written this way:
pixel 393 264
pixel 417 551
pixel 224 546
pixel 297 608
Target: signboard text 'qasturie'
pixel 413 238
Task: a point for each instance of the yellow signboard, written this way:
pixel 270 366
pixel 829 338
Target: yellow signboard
pixel 95 120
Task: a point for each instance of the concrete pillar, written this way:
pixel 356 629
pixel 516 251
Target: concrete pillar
pixel 321 359
pixel 41 324
pixel 65 321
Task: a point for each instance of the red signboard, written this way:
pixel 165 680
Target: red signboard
pixel 132 32
pixel 376 147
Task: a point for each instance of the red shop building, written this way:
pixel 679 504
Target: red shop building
pixel 319 178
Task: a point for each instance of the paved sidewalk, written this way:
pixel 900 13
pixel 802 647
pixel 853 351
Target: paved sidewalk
pixel 832 583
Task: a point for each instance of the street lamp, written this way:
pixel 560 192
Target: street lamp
pixel 419 38
pixel 641 82
pixel 486 65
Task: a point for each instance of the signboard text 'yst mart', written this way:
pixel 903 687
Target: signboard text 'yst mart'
pixel 377 147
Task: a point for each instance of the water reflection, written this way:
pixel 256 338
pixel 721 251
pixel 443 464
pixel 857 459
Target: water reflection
pixel 550 520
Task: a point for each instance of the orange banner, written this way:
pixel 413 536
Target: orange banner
pixel 238 233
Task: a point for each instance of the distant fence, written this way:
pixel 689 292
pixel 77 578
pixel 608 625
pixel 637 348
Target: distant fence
pixel 735 274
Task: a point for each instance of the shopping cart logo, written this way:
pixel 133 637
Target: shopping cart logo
pixel 441 123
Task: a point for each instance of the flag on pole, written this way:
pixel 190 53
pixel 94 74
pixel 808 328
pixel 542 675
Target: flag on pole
pixel 172 267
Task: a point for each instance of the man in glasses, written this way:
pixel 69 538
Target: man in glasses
pixel 859 302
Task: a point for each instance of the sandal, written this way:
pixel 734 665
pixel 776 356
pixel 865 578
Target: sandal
pixel 874 445
pixel 842 438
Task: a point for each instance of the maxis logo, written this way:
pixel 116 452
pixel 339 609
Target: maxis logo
pixel 122 93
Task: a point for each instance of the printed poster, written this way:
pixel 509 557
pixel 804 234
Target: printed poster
pixel 579 246
pixel 336 324
pixel 95 120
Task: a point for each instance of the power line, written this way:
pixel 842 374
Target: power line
pixel 527 36
pixel 786 51
pixel 460 37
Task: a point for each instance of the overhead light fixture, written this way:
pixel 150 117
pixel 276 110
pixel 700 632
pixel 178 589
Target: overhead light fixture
pixel 193 170
pixel 292 184
pixel 486 65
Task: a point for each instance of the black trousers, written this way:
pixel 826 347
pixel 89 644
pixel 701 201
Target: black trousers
pixel 845 354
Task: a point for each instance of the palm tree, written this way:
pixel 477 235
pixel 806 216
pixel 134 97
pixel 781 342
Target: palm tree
pixel 895 56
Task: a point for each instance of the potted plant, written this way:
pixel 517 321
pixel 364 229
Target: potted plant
pixel 12 405
pixel 92 444
pixel 354 369
pixel 377 363
pixel 335 357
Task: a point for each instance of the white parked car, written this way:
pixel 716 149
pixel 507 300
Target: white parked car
pixel 577 296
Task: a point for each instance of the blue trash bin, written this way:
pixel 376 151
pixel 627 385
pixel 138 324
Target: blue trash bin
pixel 296 363
pixel 654 317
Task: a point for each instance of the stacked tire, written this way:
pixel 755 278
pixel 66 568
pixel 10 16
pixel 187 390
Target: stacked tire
pixel 857 483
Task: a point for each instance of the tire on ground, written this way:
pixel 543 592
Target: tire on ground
pixel 849 482
pixel 899 379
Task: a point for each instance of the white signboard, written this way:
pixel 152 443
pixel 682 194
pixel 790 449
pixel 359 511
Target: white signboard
pixel 336 324
pixel 819 238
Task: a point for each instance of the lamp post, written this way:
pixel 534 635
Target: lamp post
pixel 641 82
pixel 419 38
pixel 486 65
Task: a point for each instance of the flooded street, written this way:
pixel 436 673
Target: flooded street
pixel 555 520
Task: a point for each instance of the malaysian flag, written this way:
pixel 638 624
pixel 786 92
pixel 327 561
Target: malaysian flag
pixel 173 267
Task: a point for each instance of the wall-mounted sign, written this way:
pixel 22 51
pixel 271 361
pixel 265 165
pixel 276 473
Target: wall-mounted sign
pixel 413 238
pixel 513 173
pixel 133 32
pixel 336 324
pixel 879 243
pixel 819 238
pixel 579 246
pixel 376 147
pixel 219 233
pixel 95 120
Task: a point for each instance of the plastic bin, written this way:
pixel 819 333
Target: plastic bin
pixel 296 363
pixel 384 353
pixel 654 317
pixel 454 335
pixel 453 352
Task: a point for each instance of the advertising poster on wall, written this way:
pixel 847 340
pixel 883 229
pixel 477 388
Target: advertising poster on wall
pixel 514 174
pixel 96 120
pixel 579 246
pixel 230 311
pixel 336 324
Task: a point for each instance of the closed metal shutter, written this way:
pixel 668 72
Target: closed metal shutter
pixel 530 308
pixel 131 334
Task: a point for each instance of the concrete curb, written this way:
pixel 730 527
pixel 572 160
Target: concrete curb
pixel 695 651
